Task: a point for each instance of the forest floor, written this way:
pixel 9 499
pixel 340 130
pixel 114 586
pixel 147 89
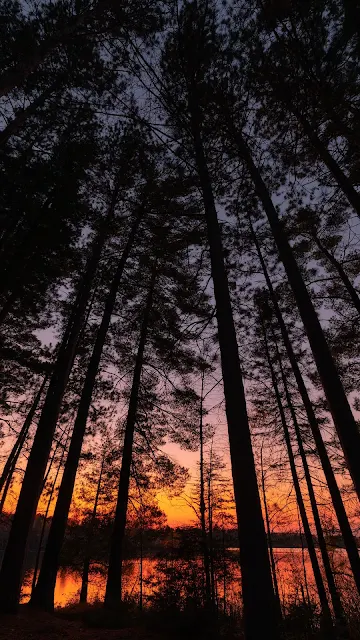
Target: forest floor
pixel 33 625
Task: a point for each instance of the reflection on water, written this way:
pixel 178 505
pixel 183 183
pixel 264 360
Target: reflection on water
pixel 294 576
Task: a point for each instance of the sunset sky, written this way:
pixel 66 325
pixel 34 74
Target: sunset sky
pixel 177 509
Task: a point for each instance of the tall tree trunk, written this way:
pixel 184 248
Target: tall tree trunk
pixel 141 571
pixel 85 580
pixel 334 594
pixel 11 569
pixel 304 519
pixel 268 529
pixel 43 528
pixel 210 527
pixel 258 593
pixel 353 294
pixel 7 486
pixel 50 463
pixel 43 596
pixel 320 88
pixel 306 600
pixel 114 577
pixel 329 161
pixel 345 528
pixel 324 154
pixel 344 421
pixel 21 116
pixel 86 565
pixel 16 450
pixel 224 570
pixel 202 501
pixel 305 595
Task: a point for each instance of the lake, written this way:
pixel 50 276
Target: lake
pixel 294 574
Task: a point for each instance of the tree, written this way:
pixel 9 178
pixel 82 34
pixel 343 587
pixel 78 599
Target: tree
pixel 16 450
pixel 217 144
pixel 181 68
pixel 43 595
pixel 335 598
pixel 304 519
pixel 342 415
pixel 10 576
pixel 86 566
pixel 45 517
pixel 268 530
pixel 348 537
pixel 312 100
pixel 113 584
pixel 51 31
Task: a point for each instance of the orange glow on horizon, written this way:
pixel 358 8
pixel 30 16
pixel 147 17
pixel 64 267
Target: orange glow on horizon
pixel 179 512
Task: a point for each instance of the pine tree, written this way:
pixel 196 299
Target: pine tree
pixel 335 598
pixel 181 68
pixel 304 519
pixel 348 537
pixel 10 464
pixel 10 578
pixel 44 592
pixel 113 584
pixel 342 415
pixel 50 32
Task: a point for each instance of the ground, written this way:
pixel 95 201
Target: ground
pixel 30 625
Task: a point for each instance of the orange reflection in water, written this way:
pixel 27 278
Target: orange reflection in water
pixel 294 577
pixel 68 583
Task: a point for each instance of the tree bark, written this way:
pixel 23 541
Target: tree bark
pixel 354 297
pixel 211 541
pixel 258 594
pixel 141 571
pixel 343 182
pixel 7 487
pixel 12 565
pixel 304 519
pixel 22 115
pixel 114 577
pixel 16 450
pixel 42 533
pixel 344 421
pixel 43 596
pixel 306 600
pixel 334 594
pixel 86 566
pixel 50 465
pixel 268 529
pixel 224 570
pixel 85 580
pixel 345 528
pixel 202 502
pixel 341 179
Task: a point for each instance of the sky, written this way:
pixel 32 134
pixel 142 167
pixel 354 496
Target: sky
pixel 177 509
